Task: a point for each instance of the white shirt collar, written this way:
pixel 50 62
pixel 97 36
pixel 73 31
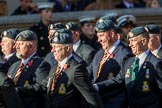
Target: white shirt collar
pixel 128 5
pixel 142 57
pixel 27 60
pixel 76 45
pixel 65 60
pixel 155 52
pixel 8 56
pixel 114 46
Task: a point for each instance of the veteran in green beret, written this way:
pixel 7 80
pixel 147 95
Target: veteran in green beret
pixel 141 74
pixel 155 39
pixel 69 84
pixel 51 30
pixel 85 51
pixel 23 72
pixel 8 46
pixel 108 61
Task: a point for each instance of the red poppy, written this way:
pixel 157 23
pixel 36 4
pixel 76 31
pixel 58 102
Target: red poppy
pixel 30 63
pixel 66 66
pixel 111 55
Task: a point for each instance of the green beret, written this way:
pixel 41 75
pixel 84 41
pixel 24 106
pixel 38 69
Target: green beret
pixel 136 31
pixel 26 35
pixel 10 33
pixel 56 26
pixel 62 36
pixel 153 29
pixel 104 25
pixel 73 26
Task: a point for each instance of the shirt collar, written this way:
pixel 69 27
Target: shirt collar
pixel 8 56
pixel 114 46
pixel 27 60
pixel 143 56
pixel 76 45
pixel 65 61
pixel 128 5
pixel 155 52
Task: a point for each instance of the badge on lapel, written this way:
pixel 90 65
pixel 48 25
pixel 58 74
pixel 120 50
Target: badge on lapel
pixel 62 89
pixel 26 84
pixel 145 86
pixel 66 66
pixel 30 63
pixel 110 75
pixel 127 74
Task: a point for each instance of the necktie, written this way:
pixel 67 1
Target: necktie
pixel 101 64
pixel 20 69
pixel 135 69
pixel 56 75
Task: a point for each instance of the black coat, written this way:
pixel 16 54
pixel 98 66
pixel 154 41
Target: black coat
pixel 146 91
pixel 77 91
pixel 8 94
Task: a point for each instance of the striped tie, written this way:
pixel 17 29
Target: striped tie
pixel 101 64
pixel 18 73
pixel 56 75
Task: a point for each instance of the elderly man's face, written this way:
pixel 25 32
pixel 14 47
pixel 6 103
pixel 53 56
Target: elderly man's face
pixel 136 45
pixel 105 39
pixel 24 49
pixel 60 51
pixel 7 45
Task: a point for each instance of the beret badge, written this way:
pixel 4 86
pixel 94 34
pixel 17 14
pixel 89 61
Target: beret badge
pixel 51 26
pixel 5 33
pixel 55 39
pixel 67 26
pixel 130 35
pixel 100 20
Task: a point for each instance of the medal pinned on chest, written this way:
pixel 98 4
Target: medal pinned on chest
pixel 147 76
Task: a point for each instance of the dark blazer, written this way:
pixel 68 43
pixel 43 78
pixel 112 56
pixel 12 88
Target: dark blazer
pixel 50 59
pixel 86 52
pixel 147 89
pixel 28 78
pixel 8 95
pixel 110 69
pixel 159 54
pixel 73 88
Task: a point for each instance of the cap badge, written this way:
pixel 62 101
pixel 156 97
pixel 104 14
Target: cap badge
pixel 51 26
pixel 5 33
pixel 130 35
pixel 55 39
pixel 100 20
pixel 67 26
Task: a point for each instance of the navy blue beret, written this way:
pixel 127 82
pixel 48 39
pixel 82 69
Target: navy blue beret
pixel 10 33
pixel 136 31
pixel 26 35
pixel 153 29
pixel 62 36
pixel 72 26
pixel 104 25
